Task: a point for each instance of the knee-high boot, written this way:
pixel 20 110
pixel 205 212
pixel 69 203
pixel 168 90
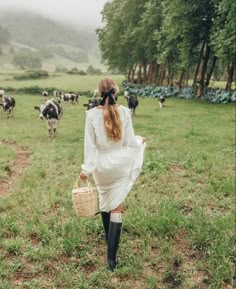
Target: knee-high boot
pixel 113 244
pixel 106 222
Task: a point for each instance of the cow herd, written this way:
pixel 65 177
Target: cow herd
pixel 68 97
pixel 51 110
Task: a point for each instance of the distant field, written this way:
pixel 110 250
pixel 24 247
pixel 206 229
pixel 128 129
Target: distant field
pixel 69 82
pixel 178 229
pixel 61 81
pixel 218 84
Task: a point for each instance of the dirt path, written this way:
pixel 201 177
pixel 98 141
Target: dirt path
pixel 21 161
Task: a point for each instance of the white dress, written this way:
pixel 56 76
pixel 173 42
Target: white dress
pixel 114 165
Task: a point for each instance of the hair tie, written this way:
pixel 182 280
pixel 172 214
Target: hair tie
pixel 106 95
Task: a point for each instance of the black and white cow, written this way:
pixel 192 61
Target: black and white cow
pixel 132 102
pixel 8 103
pixel 70 97
pixel 51 111
pixel 162 99
pixel 92 103
pixel 45 93
pixel 57 93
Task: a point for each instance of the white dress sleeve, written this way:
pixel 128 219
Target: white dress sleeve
pixel 130 139
pixel 89 165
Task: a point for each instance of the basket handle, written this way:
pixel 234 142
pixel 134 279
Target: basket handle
pixel 77 181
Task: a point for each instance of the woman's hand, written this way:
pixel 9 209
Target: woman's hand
pixel 144 139
pixel 83 177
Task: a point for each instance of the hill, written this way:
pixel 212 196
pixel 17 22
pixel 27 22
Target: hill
pixel 58 44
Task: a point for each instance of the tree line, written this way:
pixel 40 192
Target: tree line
pixel 166 41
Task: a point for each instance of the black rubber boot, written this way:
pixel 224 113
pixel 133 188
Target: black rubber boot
pixel 106 222
pixel 113 244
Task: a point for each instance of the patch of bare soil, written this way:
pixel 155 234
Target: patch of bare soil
pixel 196 277
pixel 177 169
pixel 16 170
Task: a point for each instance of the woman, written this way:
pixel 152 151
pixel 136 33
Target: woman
pixel 114 156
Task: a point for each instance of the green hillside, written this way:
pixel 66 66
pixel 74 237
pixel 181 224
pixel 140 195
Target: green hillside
pixel 57 44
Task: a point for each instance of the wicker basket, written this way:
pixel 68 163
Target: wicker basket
pixel 85 200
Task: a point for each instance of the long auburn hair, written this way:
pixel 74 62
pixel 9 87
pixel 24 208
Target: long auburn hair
pixel 112 121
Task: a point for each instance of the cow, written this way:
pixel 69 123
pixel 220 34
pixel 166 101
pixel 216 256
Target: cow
pixel 132 102
pixel 161 101
pixel 45 93
pixel 8 103
pixel 57 93
pixel 2 92
pixel 92 103
pixel 77 97
pixel 51 111
pixel 70 97
pixel 126 93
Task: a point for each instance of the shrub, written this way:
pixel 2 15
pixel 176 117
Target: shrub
pixel 36 90
pixel 93 71
pixel 75 70
pixel 32 74
pixel 209 94
pixel 218 95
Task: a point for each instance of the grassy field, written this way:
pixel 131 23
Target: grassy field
pixel 68 82
pixel 61 81
pixel 178 229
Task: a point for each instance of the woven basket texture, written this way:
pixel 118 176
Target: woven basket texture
pixel 85 200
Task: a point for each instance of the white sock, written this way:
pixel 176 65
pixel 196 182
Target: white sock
pixel 116 217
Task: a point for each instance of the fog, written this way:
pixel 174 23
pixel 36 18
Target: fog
pixel 78 13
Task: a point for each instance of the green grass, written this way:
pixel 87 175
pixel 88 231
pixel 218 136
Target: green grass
pixel 61 81
pixel 7 157
pixel 68 82
pixel 178 219
pixel 217 84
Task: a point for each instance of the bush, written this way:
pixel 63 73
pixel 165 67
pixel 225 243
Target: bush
pixel 32 74
pixel 36 90
pixel 75 70
pixel 151 91
pixel 209 94
pixel 218 95
pixel 93 71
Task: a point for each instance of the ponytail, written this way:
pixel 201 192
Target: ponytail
pixel 112 122
pixel 107 88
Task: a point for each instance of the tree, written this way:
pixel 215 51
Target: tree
pixel 115 51
pixel 4 35
pixel 125 40
pixel 27 59
pixel 154 38
pixel 92 70
pixel 184 38
pixel 223 37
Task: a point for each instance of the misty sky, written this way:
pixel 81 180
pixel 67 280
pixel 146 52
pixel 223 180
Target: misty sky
pixel 76 12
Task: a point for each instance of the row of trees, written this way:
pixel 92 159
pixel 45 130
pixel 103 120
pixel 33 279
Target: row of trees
pixel 153 41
